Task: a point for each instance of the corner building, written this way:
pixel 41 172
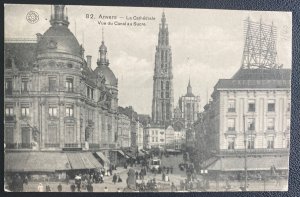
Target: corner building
pixel 55 101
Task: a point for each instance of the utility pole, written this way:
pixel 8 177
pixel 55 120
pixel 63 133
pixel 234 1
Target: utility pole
pixel 245 144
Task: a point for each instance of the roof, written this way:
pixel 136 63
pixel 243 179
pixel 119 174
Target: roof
pixel 257 79
pixel 22 53
pixel 108 74
pixel 253 163
pixel 59 39
pixel 263 74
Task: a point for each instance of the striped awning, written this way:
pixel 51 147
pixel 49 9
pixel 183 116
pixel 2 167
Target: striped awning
pixel 35 162
pixel 83 160
pixel 253 163
pixel 103 157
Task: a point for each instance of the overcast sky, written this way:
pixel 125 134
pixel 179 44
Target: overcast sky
pixel 212 40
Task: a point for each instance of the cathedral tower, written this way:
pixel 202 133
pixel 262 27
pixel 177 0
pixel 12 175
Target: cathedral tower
pixel 162 103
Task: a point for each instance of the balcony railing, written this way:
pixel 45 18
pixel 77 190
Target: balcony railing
pixel 94 146
pixel 231 109
pixel 19 146
pixel 72 145
pixel 254 151
pixel 11 118
pixel 51 145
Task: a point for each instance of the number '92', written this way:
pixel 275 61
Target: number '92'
pixel 89 16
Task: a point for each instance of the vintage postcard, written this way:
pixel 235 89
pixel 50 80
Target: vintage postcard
pixel 137 99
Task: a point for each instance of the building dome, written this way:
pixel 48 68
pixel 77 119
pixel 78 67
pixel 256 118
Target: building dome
pixel 110 78
pixel 59 39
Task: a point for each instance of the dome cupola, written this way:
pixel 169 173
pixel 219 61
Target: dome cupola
pixel 58 38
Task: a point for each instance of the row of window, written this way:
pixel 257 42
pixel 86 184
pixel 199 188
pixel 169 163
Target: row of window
pixel 25 112
pixel 251 143
pixel 52 86
pixel 252 108
pixel 251 124
pixel 155 139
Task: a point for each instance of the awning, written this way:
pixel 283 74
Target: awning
pixel 253 163
pixel 83 160
pixel 103 157
pixel 130 155
pixel 141 154
pixel 15 162
pixel 121 153
pixel 36 162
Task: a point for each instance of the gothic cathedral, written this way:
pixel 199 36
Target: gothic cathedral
pixel 162 103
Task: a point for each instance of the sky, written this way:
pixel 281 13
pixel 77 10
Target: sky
pixel 206 44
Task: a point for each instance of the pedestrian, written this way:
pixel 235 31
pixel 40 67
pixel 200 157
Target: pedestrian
pixel 72 187
pixel 119 179
pixel 173 188
pixel 163 176
pixel 136 175
pixel 171 169
pixel 115 178
pixel 105 189
pixel 277 180
pixel 89 187
pixel 141 175
pixel 40 187
pixel 48 189
pixel 26 180
pixel 59 187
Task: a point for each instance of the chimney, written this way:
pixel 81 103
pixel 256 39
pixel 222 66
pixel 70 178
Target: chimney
pixel 89 61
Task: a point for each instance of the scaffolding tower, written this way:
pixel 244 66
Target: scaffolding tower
pixel 260 45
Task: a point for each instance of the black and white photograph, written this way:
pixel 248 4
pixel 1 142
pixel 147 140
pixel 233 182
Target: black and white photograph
pixel 146 99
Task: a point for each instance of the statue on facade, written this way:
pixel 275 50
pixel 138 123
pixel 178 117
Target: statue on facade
pixel 105 97
pixel 35 134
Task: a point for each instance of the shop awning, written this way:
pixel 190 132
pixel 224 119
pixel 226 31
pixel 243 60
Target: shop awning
pixel 253 163
pixel 83 160
pixel 36 162
pixel 141 154
pixel 103 157
pixel 130 155
pixel 15 162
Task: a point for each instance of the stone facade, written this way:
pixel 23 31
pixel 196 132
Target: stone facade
pixel 124 131
pixel 53 98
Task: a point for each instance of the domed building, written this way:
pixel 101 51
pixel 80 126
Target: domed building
pixel 55 101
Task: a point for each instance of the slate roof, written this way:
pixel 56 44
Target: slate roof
pixel 23 54
pixel 256 79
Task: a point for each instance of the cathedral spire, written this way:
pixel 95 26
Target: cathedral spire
pixel 163 36
pixel 163 96
pixel 58 17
